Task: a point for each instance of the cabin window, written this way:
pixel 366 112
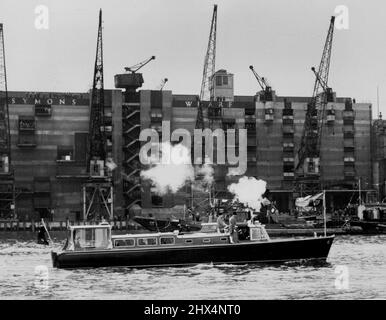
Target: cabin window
pixel 147 241
pixel 124 243
pixel 189 241
pixel 207 240
pixel 167 240
pixel 223 239
pixel 96 238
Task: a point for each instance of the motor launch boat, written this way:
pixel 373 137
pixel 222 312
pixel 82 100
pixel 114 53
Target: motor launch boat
pixel 94 246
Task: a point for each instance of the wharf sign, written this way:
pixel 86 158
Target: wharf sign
pixel 213 104
pixel 204 104
pixel 68 100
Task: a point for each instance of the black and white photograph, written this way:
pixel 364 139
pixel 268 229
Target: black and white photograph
pixel 209 152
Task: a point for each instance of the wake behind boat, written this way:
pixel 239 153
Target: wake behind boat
pixel 94 246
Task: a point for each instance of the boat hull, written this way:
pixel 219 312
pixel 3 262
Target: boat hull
pixel 370 227
pixel 267 252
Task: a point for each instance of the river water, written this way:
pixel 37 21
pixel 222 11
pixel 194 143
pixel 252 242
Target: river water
pixel 355 269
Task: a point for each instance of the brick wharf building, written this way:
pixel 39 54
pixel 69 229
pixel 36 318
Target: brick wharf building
pixel 49 136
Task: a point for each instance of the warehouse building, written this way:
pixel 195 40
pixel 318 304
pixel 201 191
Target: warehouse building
pixel 48 151
pixel 49 137
pixel 274 130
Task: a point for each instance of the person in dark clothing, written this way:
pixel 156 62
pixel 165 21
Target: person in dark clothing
pixel 42 236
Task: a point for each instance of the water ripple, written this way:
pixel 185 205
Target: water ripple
pixel 363 256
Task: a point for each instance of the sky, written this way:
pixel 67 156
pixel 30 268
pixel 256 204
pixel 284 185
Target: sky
pixel 283 39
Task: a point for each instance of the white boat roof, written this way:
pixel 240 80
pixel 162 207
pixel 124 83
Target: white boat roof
pixel 141 235
pixel 91 226
pixel 160 234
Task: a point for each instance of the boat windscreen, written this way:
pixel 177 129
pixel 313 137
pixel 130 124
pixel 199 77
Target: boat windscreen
pixel 92 238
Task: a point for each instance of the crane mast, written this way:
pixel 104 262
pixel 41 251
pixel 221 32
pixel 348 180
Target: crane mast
pixel 136 67
pixel 308 163
pixel 163 83
pixel 7 185
pixel 210 60
pixel 266 89
pixel 97 141
pixel 98 191
pixel 206 92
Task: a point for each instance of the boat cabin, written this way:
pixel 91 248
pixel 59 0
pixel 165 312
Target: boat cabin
pixel 168 239
pixel 372 212
pixel 88 237
pixel 98 237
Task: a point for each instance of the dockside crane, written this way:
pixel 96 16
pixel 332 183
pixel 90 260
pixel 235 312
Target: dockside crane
pixel 140 65
pixel 7 181
pixel 208 70
pixel 210 60
pixel 163 83
pixel 265 87
pixel 307 167
pixel 98 190
pixel 206 92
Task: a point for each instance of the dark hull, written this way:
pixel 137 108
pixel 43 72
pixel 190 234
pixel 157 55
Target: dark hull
pixel 167 225
pixel 276 251
pixel 370 227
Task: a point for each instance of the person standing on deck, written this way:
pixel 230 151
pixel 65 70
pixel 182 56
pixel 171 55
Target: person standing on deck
pixel 221 225
pixel 233 228
pixel 42 235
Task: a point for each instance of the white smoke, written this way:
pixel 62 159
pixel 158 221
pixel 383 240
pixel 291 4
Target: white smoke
pixel 249 191
pixel 206 171
pixel 172 170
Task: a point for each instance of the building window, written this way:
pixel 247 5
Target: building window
pixel 26 140
pixel 43 110
pixel 250 111
pixel 26 123
pixel 65 153
pixel 156 113
pixel 80 146
pixel 156 99
pixel 225 80
pixel 218 80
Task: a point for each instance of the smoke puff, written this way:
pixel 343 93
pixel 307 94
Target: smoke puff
pixel 249 191
pixel 207 172
pixel 172 170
